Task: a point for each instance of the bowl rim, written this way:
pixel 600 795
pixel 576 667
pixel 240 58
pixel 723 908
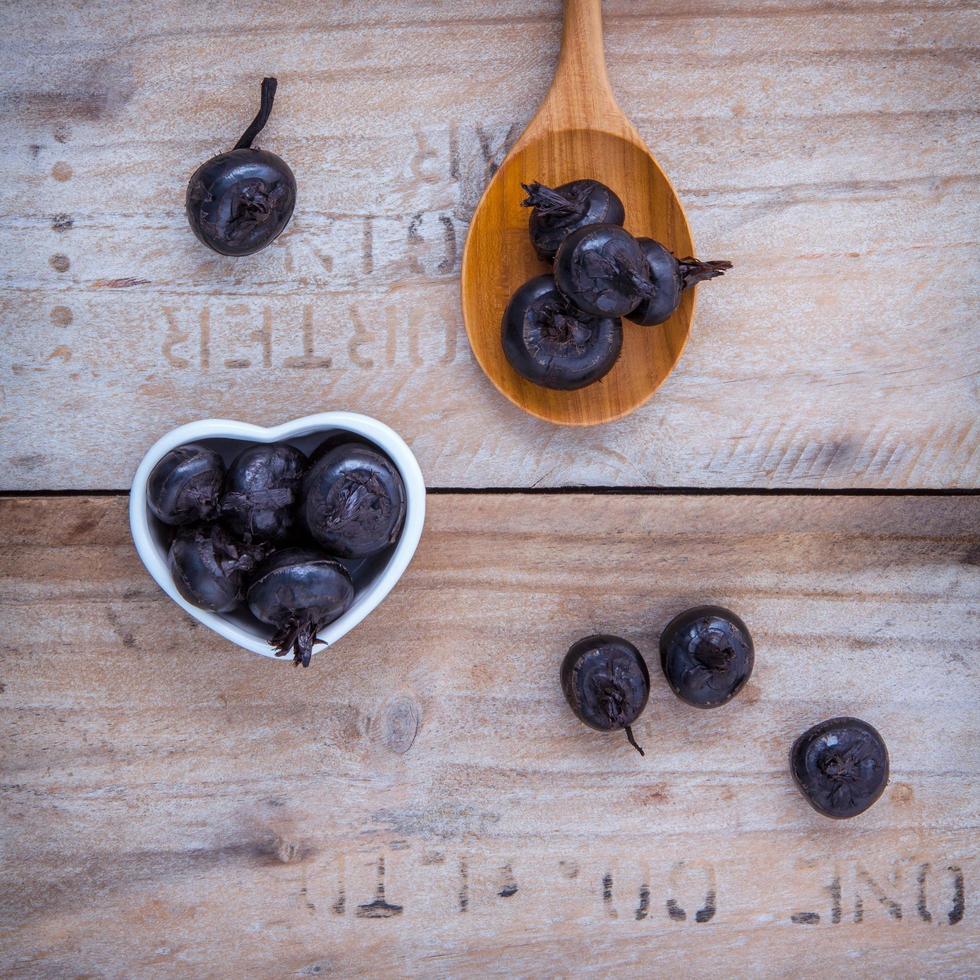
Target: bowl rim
pixel 216 428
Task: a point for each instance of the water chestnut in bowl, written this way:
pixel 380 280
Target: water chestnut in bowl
pixel 209 566
pixel 261 491
pixel 353 501
pixel 554 345
pixel 600 270
pixel 185 486
pixel 670 277
pixel 606 683
pixel 299 591
pixel 240 201
pixel 558 211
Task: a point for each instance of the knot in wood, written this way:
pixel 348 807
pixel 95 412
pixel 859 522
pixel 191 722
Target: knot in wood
pixel 400 725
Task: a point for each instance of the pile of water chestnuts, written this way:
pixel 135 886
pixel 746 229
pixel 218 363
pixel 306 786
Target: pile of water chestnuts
pixel 564 330
pixel 276 532
pixel 707 655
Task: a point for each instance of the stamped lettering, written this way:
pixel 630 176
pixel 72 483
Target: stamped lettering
pixel 689 894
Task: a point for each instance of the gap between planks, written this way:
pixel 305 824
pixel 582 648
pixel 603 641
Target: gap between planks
pixel 603 490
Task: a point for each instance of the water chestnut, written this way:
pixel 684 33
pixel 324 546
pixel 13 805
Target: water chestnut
pixel 560 210
pixel 240 201
pixel 353 501
pixel 840 766
pixel 707 655
pixel 554 345
pixel 209 566
pixel 261 491
pixel 299 591
pixel 670 277
pixel 606 683
pixel 185 485
pixel 600 270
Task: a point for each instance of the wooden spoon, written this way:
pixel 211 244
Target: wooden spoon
pixel 579 131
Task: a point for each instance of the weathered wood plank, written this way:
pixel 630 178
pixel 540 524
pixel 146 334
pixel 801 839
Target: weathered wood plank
pixel 172 805
pixel 830 150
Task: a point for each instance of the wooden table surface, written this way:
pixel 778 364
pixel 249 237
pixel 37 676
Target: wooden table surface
pixel 421 801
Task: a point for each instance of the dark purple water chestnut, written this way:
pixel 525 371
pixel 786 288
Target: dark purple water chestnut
pixel 261 492
pixel 239 201
pixel 353 501
pixel 557 211
pixel 209 566
pixel 550 343
pixel 606 683
pixel 600 270
pixel 707 655
pixel 299 592
pixel 185 486
pixel 670 277
pixel 840 766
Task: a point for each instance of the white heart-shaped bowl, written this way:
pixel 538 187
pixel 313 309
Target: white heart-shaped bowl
pixel 373 577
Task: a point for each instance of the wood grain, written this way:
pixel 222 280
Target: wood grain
pixel 830 150
pixel 422 801
pixel 578 132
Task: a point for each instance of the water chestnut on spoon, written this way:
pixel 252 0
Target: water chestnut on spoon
pixel 185 486
pixel 353 501
pixel 670 277
pixel 554 345
pixel 240 201
pixel 606 683
pixel 600 270
pixel 558 211
pixel 299 591
pixel 261 492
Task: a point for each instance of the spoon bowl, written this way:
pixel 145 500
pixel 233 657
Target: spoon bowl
pixel 579 132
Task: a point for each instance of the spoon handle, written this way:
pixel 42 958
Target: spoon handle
pixel 581 84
